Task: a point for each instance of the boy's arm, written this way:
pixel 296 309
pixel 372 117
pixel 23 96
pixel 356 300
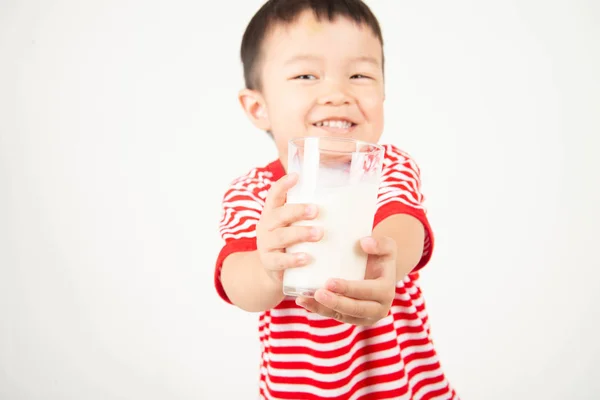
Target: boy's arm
pixel 250 267
pixel 240 279
pixel 247 284
pixel 401 214
pixel 409 234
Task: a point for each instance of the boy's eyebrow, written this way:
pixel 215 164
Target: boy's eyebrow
pixel 302 57
pixel 367 59
pixel 312 57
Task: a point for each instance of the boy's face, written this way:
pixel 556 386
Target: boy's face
pixel 319 78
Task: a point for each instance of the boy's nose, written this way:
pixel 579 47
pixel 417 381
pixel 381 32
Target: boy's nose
pixel 335 95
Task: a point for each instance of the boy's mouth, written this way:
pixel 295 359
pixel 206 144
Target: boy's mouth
pixel 335 125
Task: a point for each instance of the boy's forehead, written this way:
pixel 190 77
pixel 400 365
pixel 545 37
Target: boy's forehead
pixel 311 23
pixel 308 30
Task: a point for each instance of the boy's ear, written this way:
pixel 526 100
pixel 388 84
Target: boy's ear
pixel 255 108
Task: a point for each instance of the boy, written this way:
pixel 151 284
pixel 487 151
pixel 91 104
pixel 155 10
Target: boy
pixel 315 68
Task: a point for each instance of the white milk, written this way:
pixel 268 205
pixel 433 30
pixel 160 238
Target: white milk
pixel 346 214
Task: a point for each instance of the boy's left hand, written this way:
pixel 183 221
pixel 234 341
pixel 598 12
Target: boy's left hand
pixel 360 302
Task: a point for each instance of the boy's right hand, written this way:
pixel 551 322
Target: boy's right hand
pixel 274 231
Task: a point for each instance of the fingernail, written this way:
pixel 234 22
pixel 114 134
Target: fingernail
pixel 332 285
pixel 310 210
pixel 369 241
pixel 324 295
pixel 301 258
pixel 316 233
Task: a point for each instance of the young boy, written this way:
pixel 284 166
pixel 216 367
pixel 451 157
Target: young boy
pixel 315 68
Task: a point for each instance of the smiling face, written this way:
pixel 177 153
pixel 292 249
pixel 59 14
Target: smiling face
pixel 319 78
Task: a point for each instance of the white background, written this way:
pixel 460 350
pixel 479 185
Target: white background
pixel 120 129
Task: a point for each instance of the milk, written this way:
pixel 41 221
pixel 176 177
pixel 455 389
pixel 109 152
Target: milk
pixel 346 213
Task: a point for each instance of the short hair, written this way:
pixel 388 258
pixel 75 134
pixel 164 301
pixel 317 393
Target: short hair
pixel 275 12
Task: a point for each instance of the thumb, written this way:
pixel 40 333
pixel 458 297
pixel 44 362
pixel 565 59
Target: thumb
pixel 383 247
pixel 381 263
pixel 277 194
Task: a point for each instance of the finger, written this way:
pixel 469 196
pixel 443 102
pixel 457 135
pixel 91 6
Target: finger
pixel 379 290
pixel 382 247
pixel 278 192
pixel 381 263
pixel 347 306
pixel 277 261
pixel 284 237
pixel 290 213
pixel 314 306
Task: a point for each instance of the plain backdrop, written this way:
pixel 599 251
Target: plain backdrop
pixel 120 130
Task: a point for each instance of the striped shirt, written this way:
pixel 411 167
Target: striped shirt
pixel 307 356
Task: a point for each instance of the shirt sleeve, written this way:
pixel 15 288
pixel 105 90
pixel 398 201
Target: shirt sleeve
pixel 241 209
pixel 400 193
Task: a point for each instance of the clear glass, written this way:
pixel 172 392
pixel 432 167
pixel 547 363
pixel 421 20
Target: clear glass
pixel 341 176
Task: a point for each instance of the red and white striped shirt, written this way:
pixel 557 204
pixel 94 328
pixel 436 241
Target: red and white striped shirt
pixel 306 356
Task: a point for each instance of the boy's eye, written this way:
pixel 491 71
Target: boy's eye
pixel 305 77
pixel 359 76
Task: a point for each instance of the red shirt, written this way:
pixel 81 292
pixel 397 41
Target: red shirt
pixel 307 356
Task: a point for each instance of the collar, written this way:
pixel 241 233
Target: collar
pixel 276 168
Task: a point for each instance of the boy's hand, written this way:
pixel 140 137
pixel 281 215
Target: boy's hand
pixel 274 231
pixel 360 302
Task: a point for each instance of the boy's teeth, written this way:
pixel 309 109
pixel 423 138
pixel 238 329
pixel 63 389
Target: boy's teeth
pixel 335 124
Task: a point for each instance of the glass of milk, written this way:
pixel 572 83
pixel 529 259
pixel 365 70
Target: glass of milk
pixel 341 177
